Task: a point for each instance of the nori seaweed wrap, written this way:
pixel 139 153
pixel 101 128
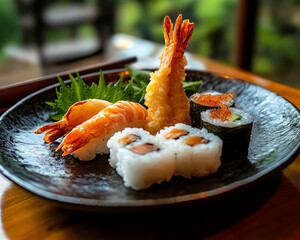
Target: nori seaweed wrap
pixel 235 131
pixel 200 102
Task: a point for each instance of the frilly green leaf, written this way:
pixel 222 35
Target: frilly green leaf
pixel 134 90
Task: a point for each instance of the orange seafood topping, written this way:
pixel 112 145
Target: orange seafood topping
pixel 128 139
pixel 195 140
pixel 221 113
pixel 144 148
pixel 213 100
pixel 175 133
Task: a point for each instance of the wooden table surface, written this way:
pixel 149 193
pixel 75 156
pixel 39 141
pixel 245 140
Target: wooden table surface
pixel 270 211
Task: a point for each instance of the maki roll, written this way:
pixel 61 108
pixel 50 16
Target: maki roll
pixel 233 126
pixel 122 139
pixel 141 160
pixel 197 152
pixel 175 132
pixel 206 100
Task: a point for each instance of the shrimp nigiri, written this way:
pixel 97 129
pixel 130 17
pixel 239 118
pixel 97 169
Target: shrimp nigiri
pixel 90 138
pixel 77 114
pixel 166 100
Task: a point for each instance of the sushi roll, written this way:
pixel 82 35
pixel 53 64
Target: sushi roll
pixel 233 126
pixel 197 152
pixel 206 100
pixel 175 132
pixel 123 139
pixel 143 162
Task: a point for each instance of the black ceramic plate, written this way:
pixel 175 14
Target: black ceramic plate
pixel 34 165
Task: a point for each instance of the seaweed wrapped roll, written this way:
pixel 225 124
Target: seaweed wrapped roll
pixel 233 126
pixel 206 100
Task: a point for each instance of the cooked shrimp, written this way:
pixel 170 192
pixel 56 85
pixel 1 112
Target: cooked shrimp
pixel 77 114
pixel 166 100
pixel 90 135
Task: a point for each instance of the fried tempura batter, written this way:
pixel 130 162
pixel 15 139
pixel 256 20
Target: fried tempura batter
pixel 166 100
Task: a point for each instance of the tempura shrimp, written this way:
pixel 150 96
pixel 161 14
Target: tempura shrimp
pixel 166 100
pixel 77 114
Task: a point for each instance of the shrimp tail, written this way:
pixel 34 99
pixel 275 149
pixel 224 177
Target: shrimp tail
pixel 76 114
pixel 53 131
pixel 176 41
pixel 186 31
pixel 74 141
pixel 111 119
pixel 181 35
pixel 168 26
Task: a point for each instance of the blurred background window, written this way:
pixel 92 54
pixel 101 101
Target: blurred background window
pixel 276 53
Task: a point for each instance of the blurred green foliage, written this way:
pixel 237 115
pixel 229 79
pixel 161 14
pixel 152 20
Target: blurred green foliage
pixel 277 50
pixel 277 53
pixel 9 32
pixel 214 21
pixel 277 43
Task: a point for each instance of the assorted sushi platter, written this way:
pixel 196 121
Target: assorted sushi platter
pixel 182 151
pixel 165 140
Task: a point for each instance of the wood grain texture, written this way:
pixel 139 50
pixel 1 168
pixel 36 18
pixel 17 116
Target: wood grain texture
pixel 24 88
pixel 271 211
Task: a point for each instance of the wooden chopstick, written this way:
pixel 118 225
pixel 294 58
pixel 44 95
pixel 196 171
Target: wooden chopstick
pixel 12 93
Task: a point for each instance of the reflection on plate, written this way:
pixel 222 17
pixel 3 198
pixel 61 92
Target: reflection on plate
pixel 34 165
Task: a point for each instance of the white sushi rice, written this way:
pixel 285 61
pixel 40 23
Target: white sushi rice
pixel 98 145
pixel 246 118
pixel 95 146
pixel 114 145
pixel 193 161
pixel 175 157
pixel 141 171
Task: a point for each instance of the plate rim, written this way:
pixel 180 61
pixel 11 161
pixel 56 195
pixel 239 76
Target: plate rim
pixel 228 188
